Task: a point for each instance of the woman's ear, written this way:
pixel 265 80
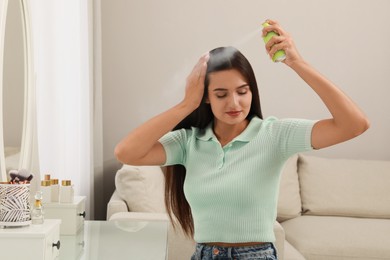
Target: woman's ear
pixel 206 100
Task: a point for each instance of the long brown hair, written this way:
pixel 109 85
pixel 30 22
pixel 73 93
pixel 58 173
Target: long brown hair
pixel 222 58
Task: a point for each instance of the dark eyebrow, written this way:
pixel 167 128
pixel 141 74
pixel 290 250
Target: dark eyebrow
pixel 224 89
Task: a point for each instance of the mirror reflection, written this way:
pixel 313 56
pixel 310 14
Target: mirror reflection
pixel 13 84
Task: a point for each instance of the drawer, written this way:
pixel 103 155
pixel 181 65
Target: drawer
pixel 52 244
pixel 31 242
pixel 72 215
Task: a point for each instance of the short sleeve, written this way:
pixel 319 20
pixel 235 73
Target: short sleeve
pixel 174 144
pixel 292 135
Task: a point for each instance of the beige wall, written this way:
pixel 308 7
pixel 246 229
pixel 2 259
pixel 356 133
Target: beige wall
pixel 148 47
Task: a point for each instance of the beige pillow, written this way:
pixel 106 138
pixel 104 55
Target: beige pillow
pixel 289 203
pixel 142 187
pixel 342 187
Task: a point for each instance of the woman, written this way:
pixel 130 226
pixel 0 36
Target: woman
pixel 224 159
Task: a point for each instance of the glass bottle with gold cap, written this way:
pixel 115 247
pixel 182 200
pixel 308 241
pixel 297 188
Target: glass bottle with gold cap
pixel 37 216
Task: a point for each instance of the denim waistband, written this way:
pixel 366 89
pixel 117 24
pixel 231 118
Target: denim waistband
pixel 261 251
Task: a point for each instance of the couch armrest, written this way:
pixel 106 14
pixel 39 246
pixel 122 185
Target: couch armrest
pixel 280 238
pixel 115 205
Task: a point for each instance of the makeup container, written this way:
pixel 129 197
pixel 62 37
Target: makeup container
pixel 55 190
pixel 15 203
pixel 66 192
pixel 46 191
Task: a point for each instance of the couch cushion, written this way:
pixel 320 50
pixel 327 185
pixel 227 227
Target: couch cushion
pixel 343 187
pixel 339 238
pixel 142 187
pixel 289 203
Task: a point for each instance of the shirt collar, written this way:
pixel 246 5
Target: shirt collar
pixel 207 133
pixel 247 135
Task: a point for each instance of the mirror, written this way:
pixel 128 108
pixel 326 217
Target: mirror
pixel 18 142
pixel 3 16
pixel 13 85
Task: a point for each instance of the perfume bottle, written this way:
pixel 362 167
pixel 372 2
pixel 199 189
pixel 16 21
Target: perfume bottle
pixel 37 211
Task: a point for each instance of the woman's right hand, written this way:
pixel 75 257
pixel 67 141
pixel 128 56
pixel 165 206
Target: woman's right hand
pixel 195 83
pixel 141 145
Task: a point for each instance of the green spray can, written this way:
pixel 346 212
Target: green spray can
pixel 280 55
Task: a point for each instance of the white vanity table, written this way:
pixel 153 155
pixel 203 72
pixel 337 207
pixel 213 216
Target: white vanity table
pixel 97 240
pixel 66 235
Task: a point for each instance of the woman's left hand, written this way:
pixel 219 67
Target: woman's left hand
pixel 282 41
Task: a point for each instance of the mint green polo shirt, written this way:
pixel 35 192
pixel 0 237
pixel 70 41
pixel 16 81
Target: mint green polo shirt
pixel 233 190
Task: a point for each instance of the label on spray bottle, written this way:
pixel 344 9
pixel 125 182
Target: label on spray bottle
pixel 280 55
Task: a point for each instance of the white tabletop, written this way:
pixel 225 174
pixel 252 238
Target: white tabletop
pixel 102 240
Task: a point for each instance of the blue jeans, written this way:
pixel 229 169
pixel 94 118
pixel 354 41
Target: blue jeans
pixel 265 251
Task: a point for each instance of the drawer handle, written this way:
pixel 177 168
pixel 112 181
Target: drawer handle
pixel 58 245
pixel 82 214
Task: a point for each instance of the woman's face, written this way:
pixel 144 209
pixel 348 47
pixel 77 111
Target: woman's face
pixel 229 96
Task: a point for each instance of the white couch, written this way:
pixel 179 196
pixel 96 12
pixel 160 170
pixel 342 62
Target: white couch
pixel 327 209
pixel 341 210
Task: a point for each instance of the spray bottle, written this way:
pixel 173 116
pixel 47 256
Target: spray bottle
pixel 280 55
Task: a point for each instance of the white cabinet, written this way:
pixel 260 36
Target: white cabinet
pixel 71 214
pixel 31 242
